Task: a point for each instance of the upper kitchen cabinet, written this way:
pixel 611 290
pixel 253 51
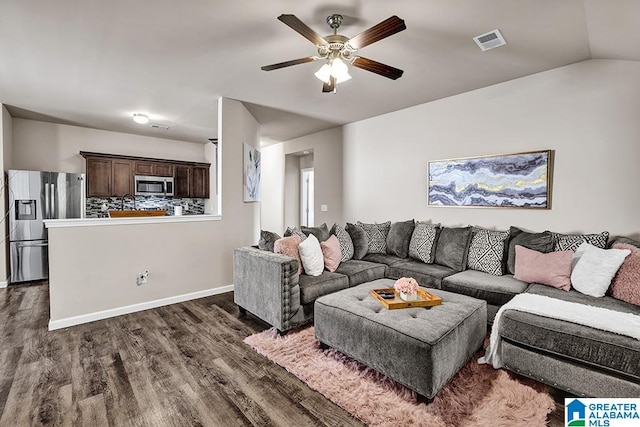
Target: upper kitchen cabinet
pixel 99 177
pixel 192 181
pixel 122 179
pixel 109 177
pixel 153 168
pixel 112 175
pixel 200 180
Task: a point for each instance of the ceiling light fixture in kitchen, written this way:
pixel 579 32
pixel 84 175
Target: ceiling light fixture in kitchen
pixel 142 119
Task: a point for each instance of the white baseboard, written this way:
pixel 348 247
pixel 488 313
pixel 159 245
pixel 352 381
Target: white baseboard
pixel 113 312
pixel 5 283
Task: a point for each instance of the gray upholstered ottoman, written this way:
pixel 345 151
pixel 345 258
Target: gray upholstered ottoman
pixel 421 348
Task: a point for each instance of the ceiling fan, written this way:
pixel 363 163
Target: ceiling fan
pixel 337 50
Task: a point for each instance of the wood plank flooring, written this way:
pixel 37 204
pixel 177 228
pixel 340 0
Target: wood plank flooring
pixel 180 365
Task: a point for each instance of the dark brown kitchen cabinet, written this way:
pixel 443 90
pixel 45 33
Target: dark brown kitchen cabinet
pixel 182 184
pixel 122 180
pixel 109 177
pixel 99 175
pixel 154 169
pixel 112 175
pixel 192 181
pixel 200 182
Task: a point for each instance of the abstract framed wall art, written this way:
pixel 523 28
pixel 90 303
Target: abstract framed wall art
pixel 519 180
pixel 251 181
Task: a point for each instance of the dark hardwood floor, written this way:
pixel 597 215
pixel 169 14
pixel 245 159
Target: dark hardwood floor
pixel 180 365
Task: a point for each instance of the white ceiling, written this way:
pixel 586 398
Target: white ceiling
pixel 94 63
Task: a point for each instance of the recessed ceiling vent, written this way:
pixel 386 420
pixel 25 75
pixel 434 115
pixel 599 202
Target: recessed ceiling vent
pixel 490 40
pixel 159 126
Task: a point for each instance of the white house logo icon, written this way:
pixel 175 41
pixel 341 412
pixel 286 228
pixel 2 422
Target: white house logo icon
pixel 576 414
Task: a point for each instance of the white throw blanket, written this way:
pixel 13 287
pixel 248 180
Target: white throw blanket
pixel 595 317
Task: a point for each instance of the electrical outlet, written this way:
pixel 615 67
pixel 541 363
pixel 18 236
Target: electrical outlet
pixel 142 277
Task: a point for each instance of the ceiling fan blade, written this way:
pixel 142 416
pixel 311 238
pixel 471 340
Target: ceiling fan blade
pixel 303 29
pixel 386 28
pixel 288 63
pixel 329 87
pixel 378 68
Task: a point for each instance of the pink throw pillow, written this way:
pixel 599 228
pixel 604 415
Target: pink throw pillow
pixel 552 269
pixel 331 253
pixel 289 246
pixel 626 283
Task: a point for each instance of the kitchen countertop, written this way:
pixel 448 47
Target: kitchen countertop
pixel 100 222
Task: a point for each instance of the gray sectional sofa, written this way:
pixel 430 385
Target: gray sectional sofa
pixel 575 358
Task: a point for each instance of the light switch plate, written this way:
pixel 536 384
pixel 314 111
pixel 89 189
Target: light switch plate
pixel 324 208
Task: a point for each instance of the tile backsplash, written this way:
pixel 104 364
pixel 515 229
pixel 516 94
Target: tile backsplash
pixel 189 206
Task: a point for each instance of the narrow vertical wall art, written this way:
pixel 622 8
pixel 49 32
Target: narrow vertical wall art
pixel 251 174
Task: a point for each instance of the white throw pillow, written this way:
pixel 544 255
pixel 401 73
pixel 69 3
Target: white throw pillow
pixel 311 256
pixel 594 268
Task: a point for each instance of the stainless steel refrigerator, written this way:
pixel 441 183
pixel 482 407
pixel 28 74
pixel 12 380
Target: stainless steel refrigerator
pixel 33 197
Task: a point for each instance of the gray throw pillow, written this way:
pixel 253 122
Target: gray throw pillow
pixel 295 231
pixel 423 241
pixel 399 238
pixel 267 239
pixel 376 236
pixel 570 242
pixel 346 244
pixel 452 246
pixel 359 239
pixel 321 232
pixel 541 242
pixel 487 250
pixel 626 240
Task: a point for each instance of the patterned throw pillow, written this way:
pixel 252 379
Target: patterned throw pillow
pixel 486 252
pixel 346 244
pixel 376 236
pixel 423 240
pixel 295 231
pixel 570 242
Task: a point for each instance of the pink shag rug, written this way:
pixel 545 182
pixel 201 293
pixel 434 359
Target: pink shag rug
pixel 478 395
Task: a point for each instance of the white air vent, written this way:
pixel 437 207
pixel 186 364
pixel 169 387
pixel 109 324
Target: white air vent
pixel 159 126
pixel 490 40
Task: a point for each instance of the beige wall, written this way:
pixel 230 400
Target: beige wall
pixel 7 139
pixel 271 188
pixel 587 112
pixel 6 147
pixel 94 268
pixel 55 147
pixel 327 164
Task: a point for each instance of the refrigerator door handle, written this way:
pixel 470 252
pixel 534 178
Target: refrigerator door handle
pixel 52 202
pixel 32 245
pixel 47 203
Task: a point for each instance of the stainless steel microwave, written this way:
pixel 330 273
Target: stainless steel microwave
pixel 153 185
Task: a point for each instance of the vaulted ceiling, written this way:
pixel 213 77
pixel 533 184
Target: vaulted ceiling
pixel 94 64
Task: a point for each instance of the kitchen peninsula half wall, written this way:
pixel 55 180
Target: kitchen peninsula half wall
pixel 94 264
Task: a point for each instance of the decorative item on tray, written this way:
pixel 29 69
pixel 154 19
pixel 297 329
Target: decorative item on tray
pixel 390 298
pixel 408 288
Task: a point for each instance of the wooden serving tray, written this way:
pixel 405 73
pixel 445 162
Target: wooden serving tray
pixel 425 299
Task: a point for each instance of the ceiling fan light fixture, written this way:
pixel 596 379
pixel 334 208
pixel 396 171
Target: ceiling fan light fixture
pixel 142 119
pixel 340 71
pixel 324 73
